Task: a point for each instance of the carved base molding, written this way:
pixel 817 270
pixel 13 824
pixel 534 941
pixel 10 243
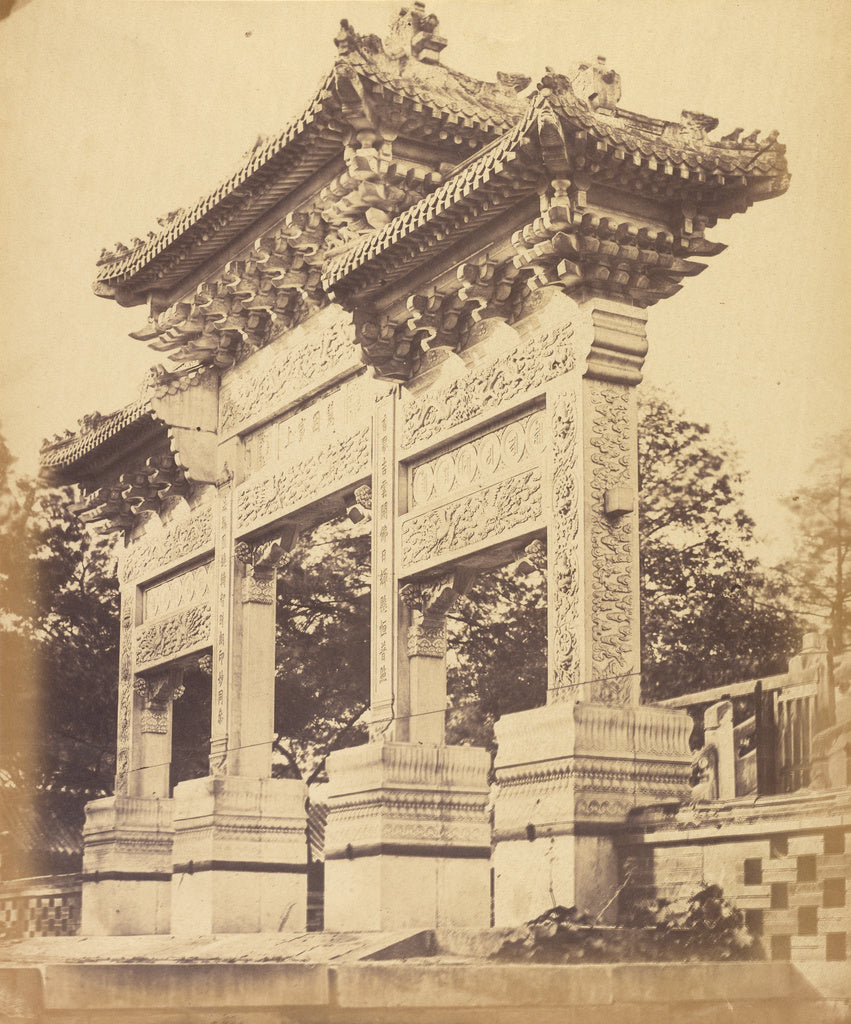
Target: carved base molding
pixel 407 818
pixel 239 856
pixel 127 843
pixel 568 776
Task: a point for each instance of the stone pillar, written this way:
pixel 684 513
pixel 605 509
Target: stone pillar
pixel 155 694
pixel 407 844
pixel 127 838
pixel 126 866
pixel 239 856
pixel 240 853
pixel 569 773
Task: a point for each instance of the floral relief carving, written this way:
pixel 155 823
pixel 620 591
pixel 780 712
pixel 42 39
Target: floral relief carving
pixel 298 484
pixel 485 515
pixel 279 375
pixel 180 540
pixel 185 588
pixel 563 548
pixel 188 629
pixel 540 359
pixel 611 545
pixel 125 689
pixel 496 453
pixel 427 639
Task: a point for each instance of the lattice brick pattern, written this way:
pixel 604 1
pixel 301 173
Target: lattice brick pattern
pixel 28 915
pixel 796 898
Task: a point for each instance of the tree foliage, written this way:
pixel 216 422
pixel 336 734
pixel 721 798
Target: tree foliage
pixel 818 573
pixel 710 613
pixel 59 643
pixel 322 647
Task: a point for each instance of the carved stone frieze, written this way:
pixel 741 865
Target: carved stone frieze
pixel 542 358
pixel 565 625
pixel 315 354
pixel 478 462
pixel 178 634
pixel 612 546
pixel 294 486
pixel 484 516
pixel 193 586
pixel 177 542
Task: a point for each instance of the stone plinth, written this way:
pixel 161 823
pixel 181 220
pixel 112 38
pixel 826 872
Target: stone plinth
pixel 568 775
pixel 127 866
pixel 407 844
pixel 240 856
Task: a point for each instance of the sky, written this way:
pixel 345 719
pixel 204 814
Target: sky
pixel 114 112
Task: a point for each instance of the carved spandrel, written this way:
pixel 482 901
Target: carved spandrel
pixel 483 517
pixel 157 693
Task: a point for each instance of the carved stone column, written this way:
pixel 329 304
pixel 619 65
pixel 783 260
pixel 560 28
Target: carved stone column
pixel 155 694
pixel 427 603
pixel 569 773
pixel 239 854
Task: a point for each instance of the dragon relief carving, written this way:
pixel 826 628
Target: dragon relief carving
pixel 542 358
pixel 563 547
pixel 300 483
pixel 277 376
pixel 485 515
pixel 176 542
pixel 611 546
pixel 177 634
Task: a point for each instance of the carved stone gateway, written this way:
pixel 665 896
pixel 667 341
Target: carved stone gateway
pixel 424 302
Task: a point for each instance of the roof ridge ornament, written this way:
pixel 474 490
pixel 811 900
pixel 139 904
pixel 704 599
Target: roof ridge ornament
pixel 597 85
pixel 413 33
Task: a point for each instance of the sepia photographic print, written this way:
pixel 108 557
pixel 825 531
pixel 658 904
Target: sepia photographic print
pixel 425 507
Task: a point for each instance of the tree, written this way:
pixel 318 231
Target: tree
pixel 818 574
pixel 710 613
pixel 322 647
pixel 59 642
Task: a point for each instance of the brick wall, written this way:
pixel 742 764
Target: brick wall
pixel 32 907
pixel 784 861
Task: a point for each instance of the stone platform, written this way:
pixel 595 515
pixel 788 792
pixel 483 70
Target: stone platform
pixel 383 978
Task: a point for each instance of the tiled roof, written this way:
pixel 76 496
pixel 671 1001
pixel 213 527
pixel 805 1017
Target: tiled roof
pixel 42 823
pixel 450 97
pixel 71 449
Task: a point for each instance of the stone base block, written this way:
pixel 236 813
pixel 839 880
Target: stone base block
pixel 127 844
pixel 407 843
pixel 567 777
pixel 239 856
